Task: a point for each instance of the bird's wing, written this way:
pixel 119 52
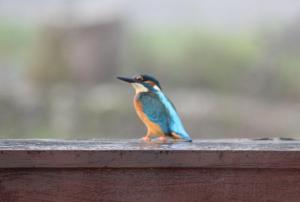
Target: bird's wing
pixel 175 124
pixel 155 110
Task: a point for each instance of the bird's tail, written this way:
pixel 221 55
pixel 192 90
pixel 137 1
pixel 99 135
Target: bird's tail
pixel 188 139
pixel 180 136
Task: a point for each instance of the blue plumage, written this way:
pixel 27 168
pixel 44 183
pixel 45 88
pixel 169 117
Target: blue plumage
pixel 175 124
pixel 160 110
pixel 155 109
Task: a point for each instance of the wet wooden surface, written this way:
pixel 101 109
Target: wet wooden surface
pixel 274 144
pixel 235 153
pixel 128 170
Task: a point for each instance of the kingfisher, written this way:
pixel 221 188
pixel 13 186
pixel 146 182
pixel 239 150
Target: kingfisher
pixel 156 110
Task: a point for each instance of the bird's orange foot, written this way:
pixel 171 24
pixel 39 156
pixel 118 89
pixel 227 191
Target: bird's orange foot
pixel 146 139
pixel 163 139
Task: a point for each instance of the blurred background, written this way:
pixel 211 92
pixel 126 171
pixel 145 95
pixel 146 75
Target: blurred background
pixel 231 68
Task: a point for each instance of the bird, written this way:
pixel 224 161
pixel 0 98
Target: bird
pixel 156 110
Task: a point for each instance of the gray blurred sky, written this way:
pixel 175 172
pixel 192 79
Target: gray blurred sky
pixel 230 15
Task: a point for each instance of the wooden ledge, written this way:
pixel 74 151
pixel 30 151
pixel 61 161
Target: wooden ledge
pixel 225 153
pixel 231 170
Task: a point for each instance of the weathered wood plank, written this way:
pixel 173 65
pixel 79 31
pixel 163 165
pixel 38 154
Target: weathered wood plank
pixel 105 170
pixel 134 154
pixel 207 185
pixel 210 144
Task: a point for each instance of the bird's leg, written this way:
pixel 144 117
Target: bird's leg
pixel 147 138
pixel 163 139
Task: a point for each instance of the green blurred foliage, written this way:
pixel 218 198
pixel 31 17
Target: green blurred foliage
pixel 15 38
pixel 222 63
pixel 182 57
pixel 289 75
pixel 47 65
pixel 217 61
pixel 196 58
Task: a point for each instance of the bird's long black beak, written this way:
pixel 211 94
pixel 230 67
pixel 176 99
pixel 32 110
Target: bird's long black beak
pixel 128 80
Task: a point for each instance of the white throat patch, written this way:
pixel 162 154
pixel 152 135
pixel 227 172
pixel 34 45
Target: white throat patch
pixel 139 88
pixel 156 88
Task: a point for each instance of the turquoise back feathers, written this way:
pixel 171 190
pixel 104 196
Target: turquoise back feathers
pixel 160 110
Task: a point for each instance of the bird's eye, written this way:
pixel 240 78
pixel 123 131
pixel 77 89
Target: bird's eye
pixel 139 78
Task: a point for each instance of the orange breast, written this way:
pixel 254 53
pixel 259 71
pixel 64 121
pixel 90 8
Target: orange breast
pixel 153 128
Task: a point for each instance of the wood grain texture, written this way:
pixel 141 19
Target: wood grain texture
pixel 106 170
pixel 207 185
pixel 133 154
pixel 274 144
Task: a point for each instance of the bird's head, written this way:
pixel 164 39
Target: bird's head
pixel 143 83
